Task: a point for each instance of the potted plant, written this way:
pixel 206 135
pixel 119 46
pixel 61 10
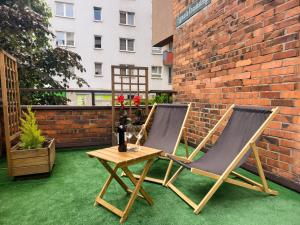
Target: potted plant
pixel 138 119
pixel 123 117
pixel 34 153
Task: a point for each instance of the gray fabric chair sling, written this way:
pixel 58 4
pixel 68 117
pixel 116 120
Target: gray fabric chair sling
pixel 230 151
pixel 166 126
pixel 166 131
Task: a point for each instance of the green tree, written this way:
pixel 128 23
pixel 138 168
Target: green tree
pixel 25 33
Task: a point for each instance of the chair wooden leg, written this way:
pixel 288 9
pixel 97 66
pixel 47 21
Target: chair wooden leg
pixel 177 191
pixel 208 195
pixel 136 190
pixel 261 172
pixel 186 144
pixel 175 175
pixel 168 172
pixel 246 179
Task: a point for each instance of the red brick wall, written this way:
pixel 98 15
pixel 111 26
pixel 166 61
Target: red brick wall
pixel 75 126
pixel 243 52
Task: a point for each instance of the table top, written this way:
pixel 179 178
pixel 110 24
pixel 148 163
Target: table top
pixel 112 154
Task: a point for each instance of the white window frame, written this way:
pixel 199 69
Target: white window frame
pixel 127 13
pixel 65 10
pixel 95 41
pixel 101 17
pixel 157 51
pixel 101 74
pixel 126 50
pixel 65 39
pixel 156 75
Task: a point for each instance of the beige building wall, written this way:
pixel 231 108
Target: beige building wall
pixel 162 22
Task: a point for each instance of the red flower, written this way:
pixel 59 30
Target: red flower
pixel 121 100
pixel 137 100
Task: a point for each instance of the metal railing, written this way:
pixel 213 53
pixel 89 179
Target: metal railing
pixel 92 92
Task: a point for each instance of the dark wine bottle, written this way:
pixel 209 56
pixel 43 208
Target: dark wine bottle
pixel 121 139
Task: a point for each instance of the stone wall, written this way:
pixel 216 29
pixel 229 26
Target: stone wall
pixel 243 52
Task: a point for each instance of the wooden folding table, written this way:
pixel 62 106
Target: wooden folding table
pixel 123 160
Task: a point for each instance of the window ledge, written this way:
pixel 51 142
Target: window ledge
pixel 157 53
pixel 98 75
pixel 126 51
pixel 156 78
pixel 66 17
pixel 127 25
pixel 98 48
pixel 66 46
pixel 98 21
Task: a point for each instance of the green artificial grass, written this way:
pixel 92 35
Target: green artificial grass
pixel 67 197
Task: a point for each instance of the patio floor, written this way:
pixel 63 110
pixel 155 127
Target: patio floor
pixel 67 197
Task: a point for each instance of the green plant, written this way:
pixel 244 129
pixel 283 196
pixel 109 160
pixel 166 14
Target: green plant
pixel 162 98
pixel 31 137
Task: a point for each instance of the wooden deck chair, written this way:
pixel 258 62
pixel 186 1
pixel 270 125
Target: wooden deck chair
pixel 230 151
pixel 165 133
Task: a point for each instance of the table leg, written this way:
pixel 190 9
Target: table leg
pixel 135 181
pixel 107 182
pixel 136 190
pixel 109 179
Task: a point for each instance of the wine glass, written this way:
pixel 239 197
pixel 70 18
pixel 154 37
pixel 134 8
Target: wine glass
pixel 129 132
pixel 139 133
pixel 116 135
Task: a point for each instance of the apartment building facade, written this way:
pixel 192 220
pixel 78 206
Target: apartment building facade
pixel 105 33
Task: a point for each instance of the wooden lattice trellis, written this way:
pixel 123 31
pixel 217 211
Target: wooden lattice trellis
pixel 11 102
pixel 128 81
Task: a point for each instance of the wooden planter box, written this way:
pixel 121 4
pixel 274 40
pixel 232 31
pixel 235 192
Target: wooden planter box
pixel 33 161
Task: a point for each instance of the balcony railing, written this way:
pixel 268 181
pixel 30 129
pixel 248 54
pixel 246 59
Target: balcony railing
pixel 78 97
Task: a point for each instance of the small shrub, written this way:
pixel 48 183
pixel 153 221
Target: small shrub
pixel 31 137
pixel 162 98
